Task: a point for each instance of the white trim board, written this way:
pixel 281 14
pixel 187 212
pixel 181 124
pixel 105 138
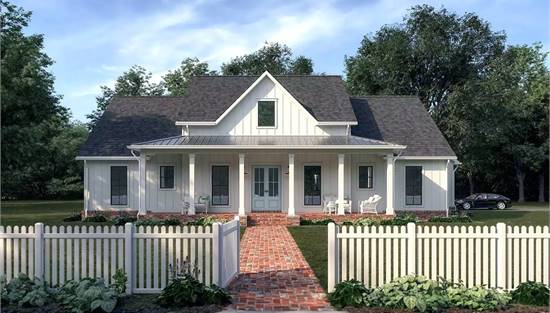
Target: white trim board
pixel 107 158
pixel 273 147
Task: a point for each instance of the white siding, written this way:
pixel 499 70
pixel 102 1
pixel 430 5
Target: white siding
pixel 434 191
pixel 292 119
pixel 99 176
pixel 163 200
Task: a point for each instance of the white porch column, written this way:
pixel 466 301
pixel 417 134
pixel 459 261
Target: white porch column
pixel 390 164
pixel 142 181
pixel 341 183
pixel 291 209
pixel 86 190
pixel 191 184
pixel 241 185
pixel 183 196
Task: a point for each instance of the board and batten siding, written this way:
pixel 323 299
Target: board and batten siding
pixel 292 119
pixel 99 176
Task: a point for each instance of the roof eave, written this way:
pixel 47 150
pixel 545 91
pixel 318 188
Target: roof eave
pixel 267 147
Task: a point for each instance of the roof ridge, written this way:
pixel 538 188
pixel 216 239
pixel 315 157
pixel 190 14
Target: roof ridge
pixel 152 96
pixel 289 75
pixel 384 96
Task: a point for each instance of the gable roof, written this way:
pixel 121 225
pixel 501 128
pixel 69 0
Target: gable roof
pixel 323 96
pixel 402 120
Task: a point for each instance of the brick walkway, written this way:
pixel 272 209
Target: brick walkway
pixel 274 274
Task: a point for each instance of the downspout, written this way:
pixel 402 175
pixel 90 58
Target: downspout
pixel 447 191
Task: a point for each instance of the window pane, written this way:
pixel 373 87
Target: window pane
pixel 365 177
pixel 119 185
pixel 312 185
pixel 259 182
pixel 413 185
pixel 273 182
pixel 266 113
pixel 167 177
pixel 220 185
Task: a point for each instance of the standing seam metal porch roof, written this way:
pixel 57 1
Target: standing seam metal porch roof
pixel 264 141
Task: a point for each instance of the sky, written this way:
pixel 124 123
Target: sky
pixel 94 41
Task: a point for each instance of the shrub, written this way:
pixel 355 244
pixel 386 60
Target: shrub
pixel 98 218
pixel 87 295
pixel 188 291
pixel 477 298
pixel 123 219
pixel 120 279
pixel 348 293
pixel 76 217
pixel 154 222
pixel 401 219
pixel 364 221
pixel 24 292
pixel 451 219
pixel 325 221
pixel 205 221
pixel 531 293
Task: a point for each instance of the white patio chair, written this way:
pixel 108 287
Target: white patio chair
pixel 346 204
pixel 370 205
pixel 329 204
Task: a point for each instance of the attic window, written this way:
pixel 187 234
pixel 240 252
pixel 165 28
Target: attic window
pixel 266 113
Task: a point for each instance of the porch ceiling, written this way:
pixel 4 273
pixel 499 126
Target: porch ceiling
pixel 265 142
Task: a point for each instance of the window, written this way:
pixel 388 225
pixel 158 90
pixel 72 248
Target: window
pixel 312 185
pixel 220 185
pixel 413 185
pixel 119 185
pixel 266 113
pixel 365 177
pixel 167 177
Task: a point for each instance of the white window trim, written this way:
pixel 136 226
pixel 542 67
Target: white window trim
pixel 417 206
pixel 276 102
pixel 304 185
pixel 228 205
pixel 120 206
pixel 158 175
pixel 359 176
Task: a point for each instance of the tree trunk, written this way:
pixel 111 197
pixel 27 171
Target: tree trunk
pixel 541 186
pixel 471 182
pixel 520 175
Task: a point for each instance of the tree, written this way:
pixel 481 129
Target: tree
pixel 176 81
pixel 273 57
pixel 31 110
pixel 429 54
pixel 134 82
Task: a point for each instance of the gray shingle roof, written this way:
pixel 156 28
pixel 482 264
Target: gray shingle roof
pixel 401 120
pixel 207 97
pixel 265 141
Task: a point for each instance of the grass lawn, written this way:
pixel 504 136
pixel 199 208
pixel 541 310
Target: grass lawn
pixel 491 217
pixel 312 240
pixel 30 212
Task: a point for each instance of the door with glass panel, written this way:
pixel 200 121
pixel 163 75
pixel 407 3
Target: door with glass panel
pixel 266 189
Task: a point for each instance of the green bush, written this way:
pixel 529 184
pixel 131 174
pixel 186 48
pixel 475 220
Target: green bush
pixel 188 291
pixel 76 217
pixel 325 221
pixel 25 292
pixel 163 222
pixel 477 298
pixel 364 221
pixel 531 293
pixel 205 221
pixel 348 293
pixel 98 218
pixel 451 219
pixel 88 295
pixel 120 279
pixel 122 220
pixel 401 219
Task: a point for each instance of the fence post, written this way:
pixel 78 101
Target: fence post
pixel 411 248
pixel 501 255
pixel 129 256
pixel 39 251
pixel 237 218
pixel 333 257
pixel 217 253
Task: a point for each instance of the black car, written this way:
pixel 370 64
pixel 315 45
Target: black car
pixel 483 200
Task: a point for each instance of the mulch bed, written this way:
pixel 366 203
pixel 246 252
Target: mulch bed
pixel 510 309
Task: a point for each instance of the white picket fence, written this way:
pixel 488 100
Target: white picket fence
pixel 497 256
pixel 146 254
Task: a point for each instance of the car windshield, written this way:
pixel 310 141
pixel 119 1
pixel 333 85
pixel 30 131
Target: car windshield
pixel 471 197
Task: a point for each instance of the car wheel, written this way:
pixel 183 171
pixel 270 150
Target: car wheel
pixel 501 205
pixel 466 206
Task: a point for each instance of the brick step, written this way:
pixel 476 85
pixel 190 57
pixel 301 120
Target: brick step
pixel 268 218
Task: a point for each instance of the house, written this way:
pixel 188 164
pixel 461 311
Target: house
pixel 266 143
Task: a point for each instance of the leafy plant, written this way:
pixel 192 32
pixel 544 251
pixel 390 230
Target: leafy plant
pixel 451 219
pixel 189 291
pixel 25 292
pixel 87 295
pixel 477 298
pixel 183 268
pixel 205 221
pixel 75 217
pixel 120 279
pixel 531 293
pixel 364 221
pixel 154 222
pixel 325 221
pixel 217 295
pixel 401 219
pixel 348 293
pixel 98 218
pixel 123 219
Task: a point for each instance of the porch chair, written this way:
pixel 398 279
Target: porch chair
pixel 202 202
pixel 370 205
pixel 329 204
pixel 346 204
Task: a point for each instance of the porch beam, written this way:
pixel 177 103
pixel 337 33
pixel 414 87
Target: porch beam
pixel 241 185
pixel 341 183
pixel 142 181
pixel 291 209
pixel 390 170
pixel 191 197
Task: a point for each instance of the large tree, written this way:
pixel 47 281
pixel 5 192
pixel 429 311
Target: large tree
pixel 134 82
pixel 428 55
pixel 176 81
pixel 276 58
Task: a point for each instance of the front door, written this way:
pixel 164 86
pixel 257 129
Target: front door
pixel 266 195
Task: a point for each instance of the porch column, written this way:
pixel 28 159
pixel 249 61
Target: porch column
pixel 241 185
pixel 341 174
pixel 390 164
pixel 86 191
pixel 291 209
pixel 142 181
pixel 191 184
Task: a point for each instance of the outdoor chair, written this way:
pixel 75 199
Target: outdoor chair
pixel 329 204
pixel 370 205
